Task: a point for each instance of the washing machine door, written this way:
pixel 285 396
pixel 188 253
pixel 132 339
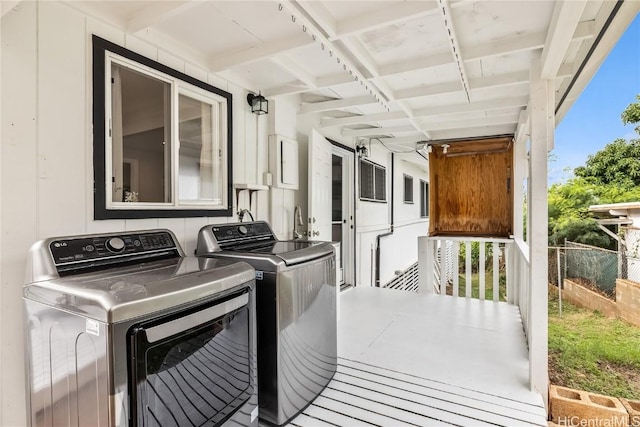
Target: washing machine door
pixel 191 367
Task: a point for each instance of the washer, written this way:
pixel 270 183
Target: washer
pixel 296 312
pixel 124 330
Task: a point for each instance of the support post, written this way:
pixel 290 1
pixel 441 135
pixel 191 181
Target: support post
pixel 542 126
pixel 425 265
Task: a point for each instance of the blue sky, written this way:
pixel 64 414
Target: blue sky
pixel 594 119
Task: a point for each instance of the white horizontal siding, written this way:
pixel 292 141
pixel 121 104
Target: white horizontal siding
pixel 47 155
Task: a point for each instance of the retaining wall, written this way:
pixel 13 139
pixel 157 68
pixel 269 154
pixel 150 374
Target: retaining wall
pixel 626 306
pixel 628 300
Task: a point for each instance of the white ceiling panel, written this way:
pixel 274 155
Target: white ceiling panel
pixel 403 41
pixel 401 51
pixel 479 22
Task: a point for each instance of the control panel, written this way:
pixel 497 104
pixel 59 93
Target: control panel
pixel 65 251
pixel 242 232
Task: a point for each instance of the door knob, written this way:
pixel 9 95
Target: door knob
pixel 316 233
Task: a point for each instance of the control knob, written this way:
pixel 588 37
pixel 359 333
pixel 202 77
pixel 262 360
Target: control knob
pixel 115 244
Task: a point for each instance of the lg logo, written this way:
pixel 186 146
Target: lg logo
pixel 60 244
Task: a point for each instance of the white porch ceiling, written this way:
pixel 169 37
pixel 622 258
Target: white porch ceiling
pixel 403 70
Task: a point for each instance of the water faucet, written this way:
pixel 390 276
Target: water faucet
pixel 244 212
pixel 297 220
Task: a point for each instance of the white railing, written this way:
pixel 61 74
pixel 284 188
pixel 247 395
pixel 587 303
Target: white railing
pixel 520 273
pixel 445 262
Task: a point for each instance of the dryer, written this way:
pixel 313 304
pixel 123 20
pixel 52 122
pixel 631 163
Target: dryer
pixel 296 312
pixel 123 329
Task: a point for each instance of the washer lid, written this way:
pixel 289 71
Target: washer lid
pixel 132 291
pixel 293 252
pixel 254 241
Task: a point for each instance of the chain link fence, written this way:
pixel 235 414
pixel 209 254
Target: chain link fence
pixel 631 268
pixel 591 266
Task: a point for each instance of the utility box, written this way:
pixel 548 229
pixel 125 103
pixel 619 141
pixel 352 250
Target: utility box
pixel 283 162
pixel 471 188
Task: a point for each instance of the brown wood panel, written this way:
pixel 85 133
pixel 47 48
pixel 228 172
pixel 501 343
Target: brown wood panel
pixel 472 189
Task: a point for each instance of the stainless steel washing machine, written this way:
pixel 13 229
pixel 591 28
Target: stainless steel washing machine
pixel 124 330
pixel 296 312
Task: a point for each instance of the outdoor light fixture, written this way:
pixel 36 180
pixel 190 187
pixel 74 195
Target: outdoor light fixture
pixel 362 151
pixel 259 104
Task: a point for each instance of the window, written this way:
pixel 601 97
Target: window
pixel 424 199
pixel 408 189
pixel 162 139
pixel 373 182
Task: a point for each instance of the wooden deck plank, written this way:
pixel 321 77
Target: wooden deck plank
pixel 303 420
pixel 476 344
pixel 396 411
pixel 331 417
pixel 476 410
pixel 413 359
pixel 437 388
pixel 404 402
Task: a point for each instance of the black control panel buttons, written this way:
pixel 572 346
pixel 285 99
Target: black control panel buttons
pixel 106 247
pixel 115 244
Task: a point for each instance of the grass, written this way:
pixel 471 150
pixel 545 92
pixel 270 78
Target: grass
pixel 475 286
pixel 588 351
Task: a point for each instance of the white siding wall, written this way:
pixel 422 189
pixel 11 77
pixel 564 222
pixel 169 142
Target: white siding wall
pixel 46 164
pixel 408 224
pixel 282 121
pixel 47 167
pixel 374 218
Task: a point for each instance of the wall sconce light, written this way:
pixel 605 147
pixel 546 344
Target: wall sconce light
pixel 259 104
pixel 424 148
pixel 362 151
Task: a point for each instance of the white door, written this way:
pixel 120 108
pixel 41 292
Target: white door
pixel 319 225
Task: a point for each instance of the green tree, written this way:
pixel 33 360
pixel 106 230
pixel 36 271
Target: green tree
pixel 612 175
pixel 631 115
pixel 619 161
pixel 569 216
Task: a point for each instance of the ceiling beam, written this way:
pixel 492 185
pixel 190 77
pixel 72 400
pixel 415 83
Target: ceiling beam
pixel 402 139
pixel 399 12
pixel 473 53
pixel 417 64
pixel 488 105
pixel 585 30
pixel 474 132
pixel 437 111
pixel 564 22
pixel 336 104
pixel 480 83
pixel 423 91
pixel 321 16
pixel 356 48
pixel 362 119
pixel 507 46
pixel 447 20
pixel 484 121
pixel 156 12
pixel 360 54
pixel 522 130
pixel 374 131
pixel 226 60
pixel 7 6
pixel 294 68
pixel 321 83
pixel 350 68
pixel 511 45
